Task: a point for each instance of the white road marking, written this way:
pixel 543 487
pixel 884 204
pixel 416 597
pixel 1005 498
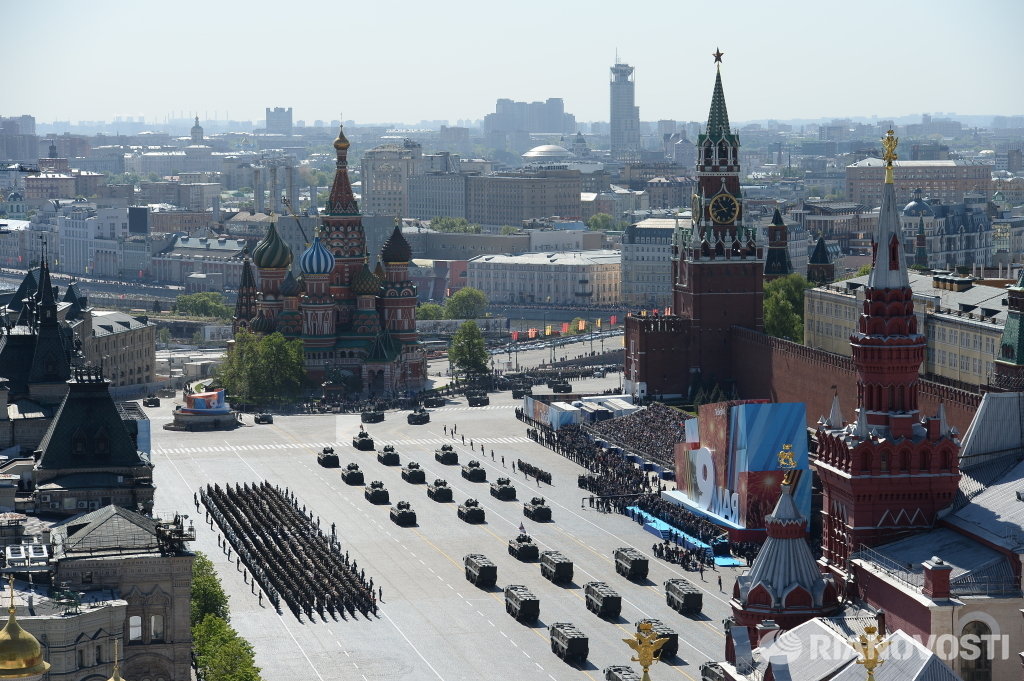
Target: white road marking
pixel 417 650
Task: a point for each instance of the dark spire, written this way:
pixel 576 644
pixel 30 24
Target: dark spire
pixel 718 118
pixel 820 255
pixel 396 249
pixel 50 361
pixel 245 305
pixel 341 200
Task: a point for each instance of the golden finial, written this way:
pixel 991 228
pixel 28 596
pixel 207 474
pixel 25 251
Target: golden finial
pixel 647 646
pixel 869 646
pixel 787 462
pixel 117 665
pixel 341 143
pixel 20 652
pixel 889 143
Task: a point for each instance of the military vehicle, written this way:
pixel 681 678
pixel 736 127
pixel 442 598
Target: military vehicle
pixel 402 514
pixel 523 548
pixel 375 493
pixel 470 511
pixel 502 489
pixel 418 417
pixel 363 442
pixel 630 563
pixel 521 603
pixel 374 416
pixel 352 475
pixel 602 600
pixel 555 567
pixel 561 388
pixel 151 401
pixel 683 597
pixel 480 570
pixel 477 398
pixel 537 510
pixel 620 672
pixel 474 472
pixel 569 643
pixel 388 456
pixel 439 490
pixel 434 402
pixel 412 473
pixel 264 418
pixel 520 393
pixel 671 647
pixel 446 455
pixel 327 458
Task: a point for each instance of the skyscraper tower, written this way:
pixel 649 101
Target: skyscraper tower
pixel 625 115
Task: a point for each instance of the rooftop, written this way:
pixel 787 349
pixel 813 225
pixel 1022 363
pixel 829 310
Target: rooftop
pixel 595 257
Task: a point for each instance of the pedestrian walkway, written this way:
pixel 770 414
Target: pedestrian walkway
pixel 659 528
pixel 317 446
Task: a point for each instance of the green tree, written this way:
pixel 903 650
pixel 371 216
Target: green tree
pixel 602 222
pixel 784 307
pixel 208 597
pixel 508 229
pixel 574 325
pixel 467 303
pixel 163 335
pixel 206 304
pixel 430 311
pixel 468 352
pixel 456 225
pixel 263 370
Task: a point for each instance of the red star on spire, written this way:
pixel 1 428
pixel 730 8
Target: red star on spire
pixel 717 54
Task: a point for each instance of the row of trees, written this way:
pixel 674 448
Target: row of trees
pixel 467 303
pixel 784 307
pixel 206 304
pixel 454 225
pixel 263 370
pixel 220 653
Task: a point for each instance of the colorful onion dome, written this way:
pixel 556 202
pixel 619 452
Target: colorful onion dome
pixel 290 286
pixel 365 282
pixel 272 252
pixel 317 259
pixel 396 249
pixel 261 323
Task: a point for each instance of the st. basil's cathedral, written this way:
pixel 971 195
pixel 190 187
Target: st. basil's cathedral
pixel 357 325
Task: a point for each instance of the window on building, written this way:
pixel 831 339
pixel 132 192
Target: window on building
pixel 135 628
pixel 156 627
pixel 976 636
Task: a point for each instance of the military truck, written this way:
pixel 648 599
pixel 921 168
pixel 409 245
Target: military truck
pixel 470 511
pixel 671 647
pixel 563 387
pixel 327 458
pixel 620 672
pixel 522 547
pixel 376 493
pixel 477 398
pixel 521 392
pixel 502 489
pixel 630 563
pixel 388 456
pixel 434 402
pixel 555 567
pixel 412 473
pixel 374 416
pixel 474 472
pixel 363 442
pixel 521 603
pixel 683 597
pixel 352 475
pixel 537 510
pixel 480 570
pixel 439 490
pixel 446 455
pixel 418 417
pixel 402 514
pixel 569 643
pixel 602 600
pixel 151 401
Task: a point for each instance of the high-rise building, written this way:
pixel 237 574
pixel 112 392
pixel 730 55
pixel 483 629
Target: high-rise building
pixel 510 198
pixel 625 115
pixel 279 121
pixel 547 116
pixel 385 171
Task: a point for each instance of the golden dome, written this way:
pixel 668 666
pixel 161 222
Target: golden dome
pixel 342 143
pixel 20 652
pixel 117 668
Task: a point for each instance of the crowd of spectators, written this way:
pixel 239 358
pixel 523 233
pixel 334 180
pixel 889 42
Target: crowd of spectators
pixel 651 432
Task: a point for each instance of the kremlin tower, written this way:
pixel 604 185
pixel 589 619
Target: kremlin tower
pixel 356 326
pixel 889 472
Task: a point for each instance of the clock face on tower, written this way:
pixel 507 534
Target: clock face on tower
pixel 724 209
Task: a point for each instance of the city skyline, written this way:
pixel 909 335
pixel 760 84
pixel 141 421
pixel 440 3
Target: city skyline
pixel 394 68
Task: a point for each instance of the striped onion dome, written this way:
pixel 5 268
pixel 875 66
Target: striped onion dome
pixel 290 285
pixel 261 323
pixel 317 259
pixel 365 282
pixel 272 252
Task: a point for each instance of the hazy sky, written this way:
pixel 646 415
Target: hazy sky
pixel 449 59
